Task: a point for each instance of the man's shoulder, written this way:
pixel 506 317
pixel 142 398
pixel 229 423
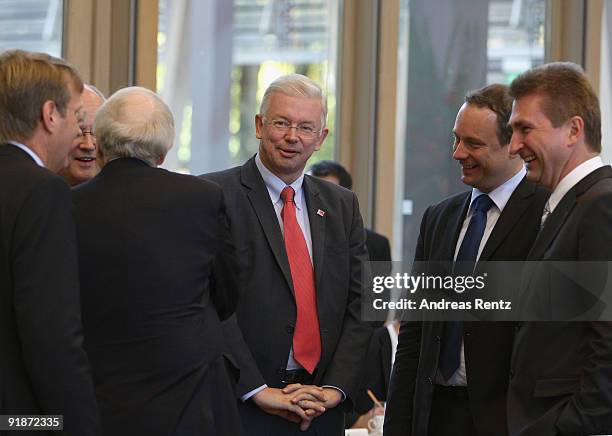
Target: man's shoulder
pixel 449 203
pixel 23 176
pixel 223 177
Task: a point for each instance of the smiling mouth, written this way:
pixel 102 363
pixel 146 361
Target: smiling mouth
pixel 85 159
pixel 529 158
pixel 468 166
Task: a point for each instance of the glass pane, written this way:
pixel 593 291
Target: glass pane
pixel 447 48
pixel 204 83
pixel 34 25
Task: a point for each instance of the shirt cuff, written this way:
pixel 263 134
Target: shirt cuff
pixel 336 388
pixel 253 392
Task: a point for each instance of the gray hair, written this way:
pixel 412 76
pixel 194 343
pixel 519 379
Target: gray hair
pixel 134 122
pixel 295 85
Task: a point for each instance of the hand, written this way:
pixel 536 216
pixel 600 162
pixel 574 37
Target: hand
pixel 315 400
pixel 274 402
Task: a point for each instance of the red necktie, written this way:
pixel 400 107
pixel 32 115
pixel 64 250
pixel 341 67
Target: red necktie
pixel 306 338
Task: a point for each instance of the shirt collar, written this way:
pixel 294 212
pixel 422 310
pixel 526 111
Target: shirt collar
pixel 503 192
pixel 29 151
pixel 275 185
pixel 572 178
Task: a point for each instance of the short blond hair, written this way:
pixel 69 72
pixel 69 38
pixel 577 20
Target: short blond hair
pixel 27 81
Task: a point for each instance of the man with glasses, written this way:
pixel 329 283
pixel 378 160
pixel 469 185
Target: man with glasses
pixel 296 335
pixel 82 163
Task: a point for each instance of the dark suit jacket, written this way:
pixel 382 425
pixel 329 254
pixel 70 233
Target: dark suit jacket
pixel 378 246
pixel 266 314
pixel 487 345
pixel 156 277
pixel 562 371
pixel 43 369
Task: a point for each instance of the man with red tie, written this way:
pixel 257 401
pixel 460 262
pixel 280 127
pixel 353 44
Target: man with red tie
pixel 296 335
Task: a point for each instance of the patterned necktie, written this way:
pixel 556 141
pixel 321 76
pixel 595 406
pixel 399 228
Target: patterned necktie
pixel 306 337
pixel 450 347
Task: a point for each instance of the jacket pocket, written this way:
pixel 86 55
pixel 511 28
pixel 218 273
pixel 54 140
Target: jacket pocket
pixel 555 387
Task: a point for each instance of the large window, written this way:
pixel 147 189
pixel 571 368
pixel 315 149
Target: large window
pixel 216 57
pixel 34 25
pixel 446 49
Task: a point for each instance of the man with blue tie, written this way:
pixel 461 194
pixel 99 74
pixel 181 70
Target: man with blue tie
pixel 297 335
pixel 452 377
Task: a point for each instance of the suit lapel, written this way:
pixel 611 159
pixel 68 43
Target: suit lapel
pixel 455 222
pixel 515 208
pixel 556 220
pixel 314 203
pixel 260 201
pixel 553 225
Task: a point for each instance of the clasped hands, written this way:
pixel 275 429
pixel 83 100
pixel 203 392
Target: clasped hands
pixel 297 403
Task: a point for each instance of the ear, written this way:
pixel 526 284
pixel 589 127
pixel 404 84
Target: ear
pixel 49 116
pixel 319 143
pixel 160 160
pixel 258 126
pixel 576 129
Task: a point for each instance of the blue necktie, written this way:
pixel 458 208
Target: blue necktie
pixel 450 347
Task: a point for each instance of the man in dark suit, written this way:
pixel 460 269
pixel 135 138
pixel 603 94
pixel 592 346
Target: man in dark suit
pixel 296 333
pixel 43 368
pixel 562 371
pixel 452 377
pixel 157 272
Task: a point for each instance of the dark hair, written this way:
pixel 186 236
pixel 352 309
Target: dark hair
pixel 326 168
pixel 27 81
pixel 496 98
pixel 566 92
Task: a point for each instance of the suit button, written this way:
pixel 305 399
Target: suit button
pixel 467 334
pixel 289 329
pixel 517 327
pixel 511 375
pixel 438 338
pixel 429 380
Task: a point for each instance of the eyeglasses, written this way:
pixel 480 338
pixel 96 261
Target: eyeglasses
pixel 304 131
pixel 89 132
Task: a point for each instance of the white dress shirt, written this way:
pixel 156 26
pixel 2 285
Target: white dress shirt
pixel 29 151
pixel 500 197
pixel 571 179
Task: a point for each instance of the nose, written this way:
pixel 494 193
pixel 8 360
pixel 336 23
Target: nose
pixel 87 142
pixel 516 145
pixel 459 152
pixel 291 134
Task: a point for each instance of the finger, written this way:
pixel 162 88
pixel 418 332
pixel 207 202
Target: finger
pixel 301 413
pixel 291 388
pixel 305 404
pixel 313 391
pixel 303 396
pixel 311 413
pixel 305 424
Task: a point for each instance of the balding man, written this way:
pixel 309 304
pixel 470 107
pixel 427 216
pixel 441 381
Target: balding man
pixel 154 280
pixel 82 164
pixel 43 368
